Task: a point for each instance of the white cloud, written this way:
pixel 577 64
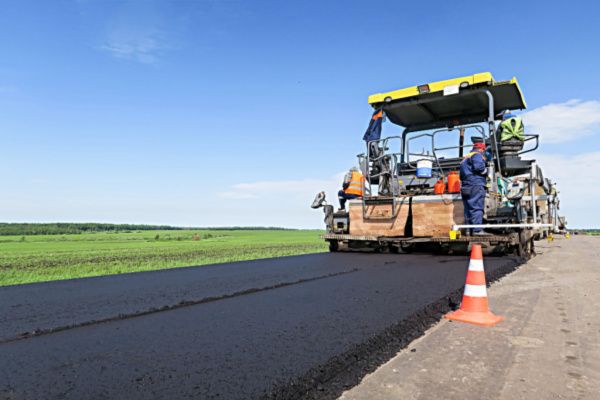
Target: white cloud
pixel 142 46
pixel 237 194
pixel 266 189
pixel 136 31
pixel 561 122
pixel 279 203
pixel 575 174
pixel 576 177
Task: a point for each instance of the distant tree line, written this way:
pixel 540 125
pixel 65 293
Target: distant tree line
pixel 63 228
pixel 588 231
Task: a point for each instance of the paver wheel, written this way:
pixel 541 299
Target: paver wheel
pixel 407 247
pixel 334 246
pixel 441 249
pixel 394 249
pixel 526 249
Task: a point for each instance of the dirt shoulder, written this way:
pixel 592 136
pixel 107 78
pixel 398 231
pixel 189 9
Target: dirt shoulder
pixel 548 347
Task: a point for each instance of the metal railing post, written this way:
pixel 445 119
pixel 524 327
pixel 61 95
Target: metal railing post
pixel 532 175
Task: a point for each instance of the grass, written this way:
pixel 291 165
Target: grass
pixel 37 258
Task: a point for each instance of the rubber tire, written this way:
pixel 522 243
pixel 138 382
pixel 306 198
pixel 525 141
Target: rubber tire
pixel 526 250
pixel 441 250
pixel 334 246
pixel 407 248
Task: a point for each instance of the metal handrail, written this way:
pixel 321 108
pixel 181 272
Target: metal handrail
pixel 434 149
pixel 528 137
pixel 407 148
pixel 392 216
pixel 369 160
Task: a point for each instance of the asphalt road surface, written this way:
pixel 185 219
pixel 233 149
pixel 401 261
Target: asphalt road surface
pixel 304 326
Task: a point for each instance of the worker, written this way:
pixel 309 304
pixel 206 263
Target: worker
pixel 511 127
pixel 473 180
pixel 352 187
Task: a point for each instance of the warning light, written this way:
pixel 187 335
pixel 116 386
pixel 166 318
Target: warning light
pixel 423 89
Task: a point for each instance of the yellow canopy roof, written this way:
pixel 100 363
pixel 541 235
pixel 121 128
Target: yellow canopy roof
pixel 452 101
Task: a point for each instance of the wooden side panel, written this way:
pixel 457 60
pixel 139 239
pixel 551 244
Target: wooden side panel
pixel 387 227
pixel 436 218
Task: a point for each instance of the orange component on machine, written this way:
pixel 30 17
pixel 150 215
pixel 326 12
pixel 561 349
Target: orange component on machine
pixel 439 187
pixel 356 184
pixel 453 182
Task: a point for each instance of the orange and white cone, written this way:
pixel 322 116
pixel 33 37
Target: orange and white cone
pixel 474 306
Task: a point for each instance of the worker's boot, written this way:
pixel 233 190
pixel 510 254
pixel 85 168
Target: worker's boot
pixel 481 233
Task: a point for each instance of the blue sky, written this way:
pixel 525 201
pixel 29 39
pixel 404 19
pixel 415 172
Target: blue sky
pixel 236 113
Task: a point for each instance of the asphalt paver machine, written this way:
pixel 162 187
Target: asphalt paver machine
pixel 411 195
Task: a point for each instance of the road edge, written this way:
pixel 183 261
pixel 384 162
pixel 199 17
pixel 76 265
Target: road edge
pixel 346 370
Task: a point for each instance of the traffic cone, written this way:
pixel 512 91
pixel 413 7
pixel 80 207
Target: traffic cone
pixel 474 306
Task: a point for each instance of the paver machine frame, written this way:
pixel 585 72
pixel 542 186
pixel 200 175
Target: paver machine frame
pixel 400 210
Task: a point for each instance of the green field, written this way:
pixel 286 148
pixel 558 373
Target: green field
pixel 36 258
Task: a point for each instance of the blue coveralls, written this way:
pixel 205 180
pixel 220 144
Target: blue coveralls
pixel 343 196
pixel 473 175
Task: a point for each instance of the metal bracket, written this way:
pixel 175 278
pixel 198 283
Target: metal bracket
pixel 379 201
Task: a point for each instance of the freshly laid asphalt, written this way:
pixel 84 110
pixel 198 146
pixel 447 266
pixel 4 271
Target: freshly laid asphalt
pixel 231 331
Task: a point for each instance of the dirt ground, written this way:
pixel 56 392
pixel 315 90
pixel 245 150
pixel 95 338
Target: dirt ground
pixel 548 347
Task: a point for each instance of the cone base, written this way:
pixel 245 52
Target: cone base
pixel 476 318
